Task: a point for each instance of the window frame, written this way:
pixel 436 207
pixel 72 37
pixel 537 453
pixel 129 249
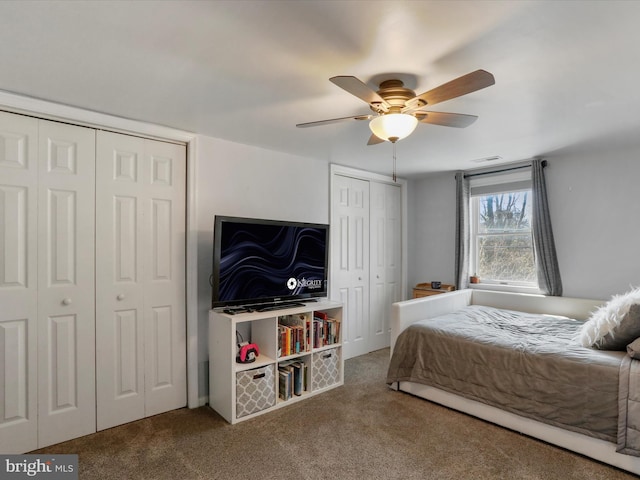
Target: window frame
pixel 489 188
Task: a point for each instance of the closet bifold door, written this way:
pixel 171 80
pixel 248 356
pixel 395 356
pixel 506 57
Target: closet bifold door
pixel 66 282
pixel 47 317
pixel 18 283
pixel 165 278
pixel 386 268
pixel 140 278
pixel 350 261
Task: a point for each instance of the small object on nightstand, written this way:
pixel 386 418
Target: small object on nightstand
pixel 436 285
pixel 426 289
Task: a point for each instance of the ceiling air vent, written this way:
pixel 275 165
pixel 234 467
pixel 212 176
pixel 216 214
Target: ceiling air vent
pixel 488 159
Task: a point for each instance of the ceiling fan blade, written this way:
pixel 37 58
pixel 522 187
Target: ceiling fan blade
pixel 457 120
pixel 471 82
pixel 361 90
pixel 334 120
pixel 374 140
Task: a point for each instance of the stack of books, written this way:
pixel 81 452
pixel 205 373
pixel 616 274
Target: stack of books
pixel 292 376
pixel 326 330
pixel 294 335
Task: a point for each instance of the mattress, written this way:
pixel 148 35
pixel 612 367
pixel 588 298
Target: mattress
pixel 527 364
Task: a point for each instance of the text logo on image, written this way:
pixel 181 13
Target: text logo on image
pixel 52 467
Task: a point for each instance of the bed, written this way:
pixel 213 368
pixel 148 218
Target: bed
pixel 514 360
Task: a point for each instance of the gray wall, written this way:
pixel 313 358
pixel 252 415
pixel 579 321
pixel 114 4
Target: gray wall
pixel 595 210
pixel 244 181
pixel 596 221
pixel 431 217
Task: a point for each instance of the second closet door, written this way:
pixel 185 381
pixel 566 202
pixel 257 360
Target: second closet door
pixel 66 316
pixel 350 261
pixel 386 268
pixel 140 274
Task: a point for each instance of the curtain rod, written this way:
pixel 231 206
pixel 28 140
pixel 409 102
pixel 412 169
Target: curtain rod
pixel 467 175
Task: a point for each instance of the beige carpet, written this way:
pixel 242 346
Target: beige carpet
pixel 360 431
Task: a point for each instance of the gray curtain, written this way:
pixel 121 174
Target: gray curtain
pixel 549 280
pixel 462 231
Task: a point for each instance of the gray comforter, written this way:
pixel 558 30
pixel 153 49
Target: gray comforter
pixel 526 364
pixel 629 408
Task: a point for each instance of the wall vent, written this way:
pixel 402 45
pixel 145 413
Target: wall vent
pixel 488 159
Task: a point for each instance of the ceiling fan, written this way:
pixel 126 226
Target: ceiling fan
pixel 397 109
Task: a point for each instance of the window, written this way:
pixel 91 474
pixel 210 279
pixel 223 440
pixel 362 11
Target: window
pixel 501 239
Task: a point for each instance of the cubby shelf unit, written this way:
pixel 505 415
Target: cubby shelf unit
pixel 230 382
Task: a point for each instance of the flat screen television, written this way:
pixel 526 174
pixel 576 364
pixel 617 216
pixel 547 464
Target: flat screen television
pixel 259 261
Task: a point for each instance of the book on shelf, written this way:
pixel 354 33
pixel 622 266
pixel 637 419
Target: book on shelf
pixel 294 375
pixel 294 334
pixel 284 384
pixel 326 330
pixel 299 369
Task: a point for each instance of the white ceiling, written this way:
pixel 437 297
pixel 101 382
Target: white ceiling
pixel 567 72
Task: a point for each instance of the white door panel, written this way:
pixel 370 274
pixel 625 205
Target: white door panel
pixel 165 307
pixel 66 318
pixel 377 316
pixel 350 260
pixel 119 283
pixel 140 270
pixel 18 283
pixel 385 255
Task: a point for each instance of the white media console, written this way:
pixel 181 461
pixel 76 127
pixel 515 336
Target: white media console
pixel 239 391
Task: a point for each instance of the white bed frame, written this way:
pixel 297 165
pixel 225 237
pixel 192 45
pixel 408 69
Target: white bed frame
pixel 410 311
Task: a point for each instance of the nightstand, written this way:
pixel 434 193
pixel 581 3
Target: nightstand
pixel 425 290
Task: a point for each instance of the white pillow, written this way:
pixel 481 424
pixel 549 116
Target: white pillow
pixel 606 320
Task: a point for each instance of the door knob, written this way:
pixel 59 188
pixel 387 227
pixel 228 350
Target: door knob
pixel 66 301
pixel 120 297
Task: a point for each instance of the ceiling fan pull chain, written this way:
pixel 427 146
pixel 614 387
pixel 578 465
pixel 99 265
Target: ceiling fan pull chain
pixel 394 162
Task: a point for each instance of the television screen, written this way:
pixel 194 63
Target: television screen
pixel 267 260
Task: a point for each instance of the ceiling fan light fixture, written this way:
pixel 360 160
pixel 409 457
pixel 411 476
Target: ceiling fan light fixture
pixel 393 126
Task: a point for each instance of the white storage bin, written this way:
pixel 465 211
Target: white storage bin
pixel 255 390
pixel 325 368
